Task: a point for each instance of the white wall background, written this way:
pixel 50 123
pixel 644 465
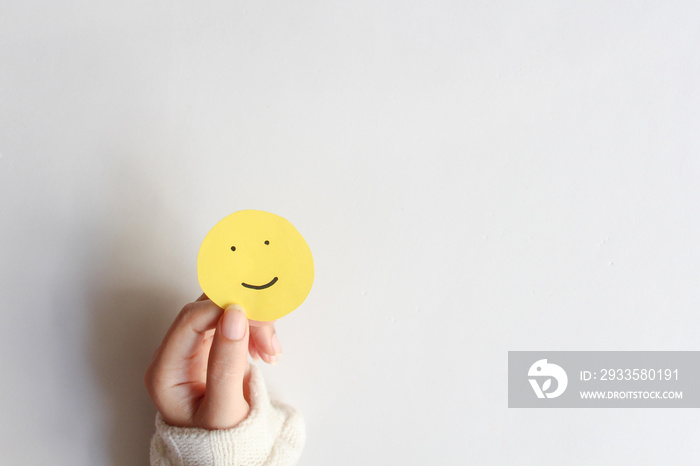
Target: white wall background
pixel 472 177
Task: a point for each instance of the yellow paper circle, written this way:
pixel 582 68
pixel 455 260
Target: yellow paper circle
pixel 257 260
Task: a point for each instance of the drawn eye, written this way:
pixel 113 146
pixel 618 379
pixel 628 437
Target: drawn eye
pixel 267 242
pixel 233 248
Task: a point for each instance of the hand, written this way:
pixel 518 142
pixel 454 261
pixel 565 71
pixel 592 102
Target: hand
pixel 199 374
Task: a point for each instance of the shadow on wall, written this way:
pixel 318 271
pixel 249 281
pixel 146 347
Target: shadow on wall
pixel 128 325
pixel 130 311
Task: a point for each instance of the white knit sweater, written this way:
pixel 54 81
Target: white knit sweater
pixel 272 434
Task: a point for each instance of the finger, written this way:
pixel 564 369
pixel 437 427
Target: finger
pixel 252 350
pixel 257 354
pixel 181 359
pixel 269 359
pixel 224 404
pixel 190 328
pixel 266 341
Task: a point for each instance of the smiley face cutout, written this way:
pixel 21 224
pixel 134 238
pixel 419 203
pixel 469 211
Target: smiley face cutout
pixel 257 260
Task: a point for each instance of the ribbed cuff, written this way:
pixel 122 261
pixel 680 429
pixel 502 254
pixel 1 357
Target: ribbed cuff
pixel 272 434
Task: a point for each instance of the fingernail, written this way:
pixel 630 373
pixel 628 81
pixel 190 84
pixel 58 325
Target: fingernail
pixel 233 323
pixel 276 344
pixel 273 360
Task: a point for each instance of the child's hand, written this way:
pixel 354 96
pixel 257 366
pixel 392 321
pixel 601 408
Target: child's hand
pixel 199 374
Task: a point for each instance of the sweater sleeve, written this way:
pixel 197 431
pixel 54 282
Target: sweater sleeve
pixel 273 434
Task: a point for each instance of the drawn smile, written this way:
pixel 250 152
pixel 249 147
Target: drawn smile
pixel 261 287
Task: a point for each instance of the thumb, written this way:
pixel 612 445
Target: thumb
pixel 224 404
